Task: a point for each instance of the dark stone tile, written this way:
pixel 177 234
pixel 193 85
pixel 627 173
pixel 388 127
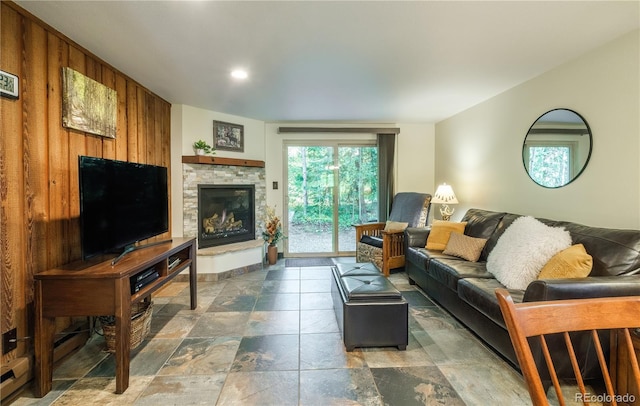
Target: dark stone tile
pixel 315 285
pixel 433 318
pixel 182 390
pixel 267 353
pixel 316 301
pixel 283 274
pixel 281 286
pixel 221 324
pixel 273 322
pixel 260 388
pixel 324 351
pixel 202 356
pixel 241 288
pixel 315 273
pixel 414 386
pixel 146 359
pixel 417 299
pixel 318 321
pixel 282 301
pixel 338 387
pixel 242 303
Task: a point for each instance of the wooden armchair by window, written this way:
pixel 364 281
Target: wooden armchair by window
pixel 528 324
pixel 383 243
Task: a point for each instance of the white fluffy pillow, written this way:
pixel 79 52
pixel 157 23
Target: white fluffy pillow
pixel 523 249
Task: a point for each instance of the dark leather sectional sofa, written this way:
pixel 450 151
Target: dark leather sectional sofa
pixel 466 289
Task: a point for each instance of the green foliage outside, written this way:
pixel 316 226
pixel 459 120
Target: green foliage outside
pixel 312 175
pixel 550 166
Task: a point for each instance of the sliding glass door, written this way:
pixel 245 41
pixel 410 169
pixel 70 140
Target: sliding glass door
pixel 329 188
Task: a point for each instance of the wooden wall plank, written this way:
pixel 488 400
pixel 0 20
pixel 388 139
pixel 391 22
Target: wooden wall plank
pixel 109 144
pixel 121 136
pixel 59 183
pixel 132 122
pixel 35 155
pixel 93 142
pixel 77 147
pixel 12 186
pixel 141 110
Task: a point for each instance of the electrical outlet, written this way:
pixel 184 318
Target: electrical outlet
pixel 9 341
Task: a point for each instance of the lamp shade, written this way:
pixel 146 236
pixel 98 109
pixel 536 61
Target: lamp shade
pixel 444 195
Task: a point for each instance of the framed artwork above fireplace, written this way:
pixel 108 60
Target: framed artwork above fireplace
pixel 228 136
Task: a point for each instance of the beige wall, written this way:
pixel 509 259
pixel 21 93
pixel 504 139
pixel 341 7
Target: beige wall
pixel 479 150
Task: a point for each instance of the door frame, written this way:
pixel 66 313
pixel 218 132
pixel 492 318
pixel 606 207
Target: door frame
pixel 335 144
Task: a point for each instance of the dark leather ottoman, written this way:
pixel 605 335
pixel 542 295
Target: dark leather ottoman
pixel 370 311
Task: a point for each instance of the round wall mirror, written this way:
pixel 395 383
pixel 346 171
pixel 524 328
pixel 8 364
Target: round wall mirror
pixel 557 148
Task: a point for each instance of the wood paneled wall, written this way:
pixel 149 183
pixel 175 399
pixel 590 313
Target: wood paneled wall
pixel 39 218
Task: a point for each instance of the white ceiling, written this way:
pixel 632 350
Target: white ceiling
pixel 381 61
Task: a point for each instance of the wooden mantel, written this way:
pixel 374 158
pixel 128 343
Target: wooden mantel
pixel 210 160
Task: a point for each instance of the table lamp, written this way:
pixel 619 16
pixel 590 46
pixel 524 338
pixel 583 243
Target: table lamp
pixel 444 195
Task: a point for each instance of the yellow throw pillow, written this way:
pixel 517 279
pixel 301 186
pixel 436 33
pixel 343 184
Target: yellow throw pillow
pixel 440 232
pixel 573 262
pixel 395 226
pixel 465 247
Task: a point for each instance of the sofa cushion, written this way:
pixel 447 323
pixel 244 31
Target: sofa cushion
pixel 573 262
pixel 614 251
pixel 417 256
pixel 502 226
pixel 395 225
pixel 440 232
pixel 479 293
pixel 523 249
pixel 465 247
pixel 448 270
pixel 481 224
pixel 371 240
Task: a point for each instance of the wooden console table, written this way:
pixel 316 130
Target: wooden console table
pixel 100 289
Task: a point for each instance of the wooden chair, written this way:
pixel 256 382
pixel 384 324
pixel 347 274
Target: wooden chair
pixel 537 319
pixel 386 248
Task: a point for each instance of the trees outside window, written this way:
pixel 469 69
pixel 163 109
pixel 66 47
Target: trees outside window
pixel 329 188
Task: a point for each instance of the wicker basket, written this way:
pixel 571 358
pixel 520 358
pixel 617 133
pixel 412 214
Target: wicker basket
pixel 140 325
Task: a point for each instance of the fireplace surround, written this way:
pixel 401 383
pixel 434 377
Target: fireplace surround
pixel 226 214
pixel 218 174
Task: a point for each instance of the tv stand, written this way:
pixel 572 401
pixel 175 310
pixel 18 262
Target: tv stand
pixel 134 247
pixel 101 289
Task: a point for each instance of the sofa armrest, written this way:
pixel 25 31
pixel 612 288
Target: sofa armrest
pixel 582 288
pixel 416 236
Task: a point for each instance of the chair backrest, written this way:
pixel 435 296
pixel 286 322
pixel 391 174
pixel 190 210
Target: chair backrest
pixel 411 207
pixel 537 319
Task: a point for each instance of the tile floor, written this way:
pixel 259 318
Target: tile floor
pixel 270 338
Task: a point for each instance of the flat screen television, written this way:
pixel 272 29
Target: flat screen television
pixel 121 203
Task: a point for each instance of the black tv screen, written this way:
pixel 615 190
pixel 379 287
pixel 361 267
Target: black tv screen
pixel 120 203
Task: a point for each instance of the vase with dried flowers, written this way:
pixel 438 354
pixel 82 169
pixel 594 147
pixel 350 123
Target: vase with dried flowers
pixel 272 233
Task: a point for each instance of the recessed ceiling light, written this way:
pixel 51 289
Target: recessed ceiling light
pixel 239 74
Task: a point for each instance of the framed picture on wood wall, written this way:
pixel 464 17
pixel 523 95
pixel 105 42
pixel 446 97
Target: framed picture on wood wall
pixel 88 105
pixel 228 137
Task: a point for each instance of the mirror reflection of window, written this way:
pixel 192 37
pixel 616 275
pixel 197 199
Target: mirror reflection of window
pixel 557 148
pixel 550 165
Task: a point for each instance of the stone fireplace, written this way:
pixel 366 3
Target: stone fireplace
pixel 226 214
pixel 224 178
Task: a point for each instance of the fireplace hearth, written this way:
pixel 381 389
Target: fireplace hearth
pixel 226 214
